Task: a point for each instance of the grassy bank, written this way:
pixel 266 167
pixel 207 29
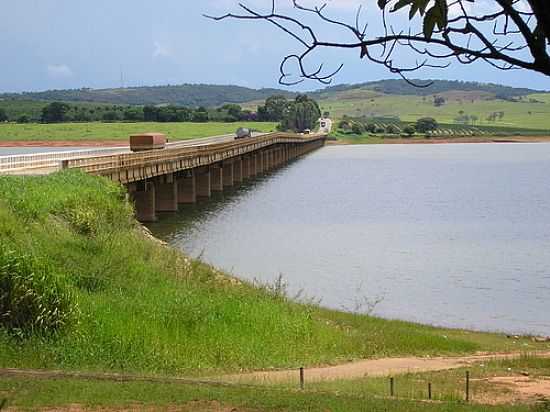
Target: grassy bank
pixel 139 306
pixel 119 131
pixel 63 394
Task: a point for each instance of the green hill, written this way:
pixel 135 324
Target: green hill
pixel 185 95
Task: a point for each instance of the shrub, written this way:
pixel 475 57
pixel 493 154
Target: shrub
pixel 409 130
pixel 357 128
pixel 24 118
pixel 392 129
pixel 426 124
pixel 33 300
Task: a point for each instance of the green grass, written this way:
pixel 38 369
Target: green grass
pixel 146 308
pixel 26 394
pixel 120 131
pixel 518 115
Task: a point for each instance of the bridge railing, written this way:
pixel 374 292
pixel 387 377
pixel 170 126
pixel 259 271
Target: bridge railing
pixel 117 162
pixel 48 160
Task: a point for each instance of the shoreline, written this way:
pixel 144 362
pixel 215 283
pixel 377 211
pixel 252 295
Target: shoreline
pixel 390 140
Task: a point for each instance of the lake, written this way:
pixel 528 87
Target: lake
pixel 454 235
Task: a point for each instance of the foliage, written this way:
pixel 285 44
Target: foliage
pixel 426 124
pixel 33 299
pixel 3 115
pixel 55 112
pixel 301 114
pixel 274 109
pixel 439 101
pixel 357 128
pixel 409 130
pixel 24 118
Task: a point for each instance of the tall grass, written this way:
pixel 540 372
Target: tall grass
pixel 144 307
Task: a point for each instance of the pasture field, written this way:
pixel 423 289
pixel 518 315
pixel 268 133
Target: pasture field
pixel 532 112
pixel 96 131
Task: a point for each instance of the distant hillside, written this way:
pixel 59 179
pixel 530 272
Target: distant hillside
pixel 193 95
pixel 401 87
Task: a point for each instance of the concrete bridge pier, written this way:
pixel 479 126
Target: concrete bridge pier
pixel 216 178
pixel 238 170
pixel 259 163
pixel 187 188
pixel 245 168
pixel 202 182
pixel 143 196
pixel 166 193
pixel 228 174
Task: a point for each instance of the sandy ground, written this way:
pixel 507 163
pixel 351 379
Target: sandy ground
pixel 370 368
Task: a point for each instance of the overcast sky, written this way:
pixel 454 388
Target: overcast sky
pixel 49 44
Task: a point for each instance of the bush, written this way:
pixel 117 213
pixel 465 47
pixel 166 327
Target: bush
pixel 24 118
pixel 409 130
pixel 32 298
pixel 426 124
pixel 357 128
pixel 392 129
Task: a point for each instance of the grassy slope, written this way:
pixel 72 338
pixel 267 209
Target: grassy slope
pixel 410 108
pixel 120 131
pixel 145 308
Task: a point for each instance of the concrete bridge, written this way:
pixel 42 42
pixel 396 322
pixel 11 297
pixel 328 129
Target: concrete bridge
pixel 160 180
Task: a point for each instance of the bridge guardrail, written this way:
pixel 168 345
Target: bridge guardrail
pixel 118 162
pixel 47 160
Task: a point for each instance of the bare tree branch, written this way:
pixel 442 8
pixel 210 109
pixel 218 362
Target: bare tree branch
pixel 510 36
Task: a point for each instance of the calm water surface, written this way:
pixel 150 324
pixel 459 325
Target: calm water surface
pixel 454 235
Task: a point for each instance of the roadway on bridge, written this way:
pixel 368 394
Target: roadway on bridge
pixel 26 158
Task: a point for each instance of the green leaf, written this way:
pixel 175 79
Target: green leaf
pixel 400 4
pixel 382 4
pixel 430 21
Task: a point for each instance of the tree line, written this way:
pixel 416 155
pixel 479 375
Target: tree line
pixel 295 114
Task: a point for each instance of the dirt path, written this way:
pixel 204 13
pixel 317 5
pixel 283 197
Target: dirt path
pixel 370 368
pixel 352 370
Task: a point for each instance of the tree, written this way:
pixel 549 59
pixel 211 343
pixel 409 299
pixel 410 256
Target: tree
pixel 506 34
pixel 426 124
pixel 273 110
pixel 3 116
pixel 24 118
pixel 201 115
pixel 300 114
pixel 133 114
pixel 439 101
pixel 151 113
pixel 357 128
pixel 55 112
pixel 409 130
pixel 111 116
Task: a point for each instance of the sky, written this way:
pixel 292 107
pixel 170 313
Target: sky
pixel 59 44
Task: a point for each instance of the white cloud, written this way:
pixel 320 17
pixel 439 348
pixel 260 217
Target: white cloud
pixel 59 70
pixel 161 50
